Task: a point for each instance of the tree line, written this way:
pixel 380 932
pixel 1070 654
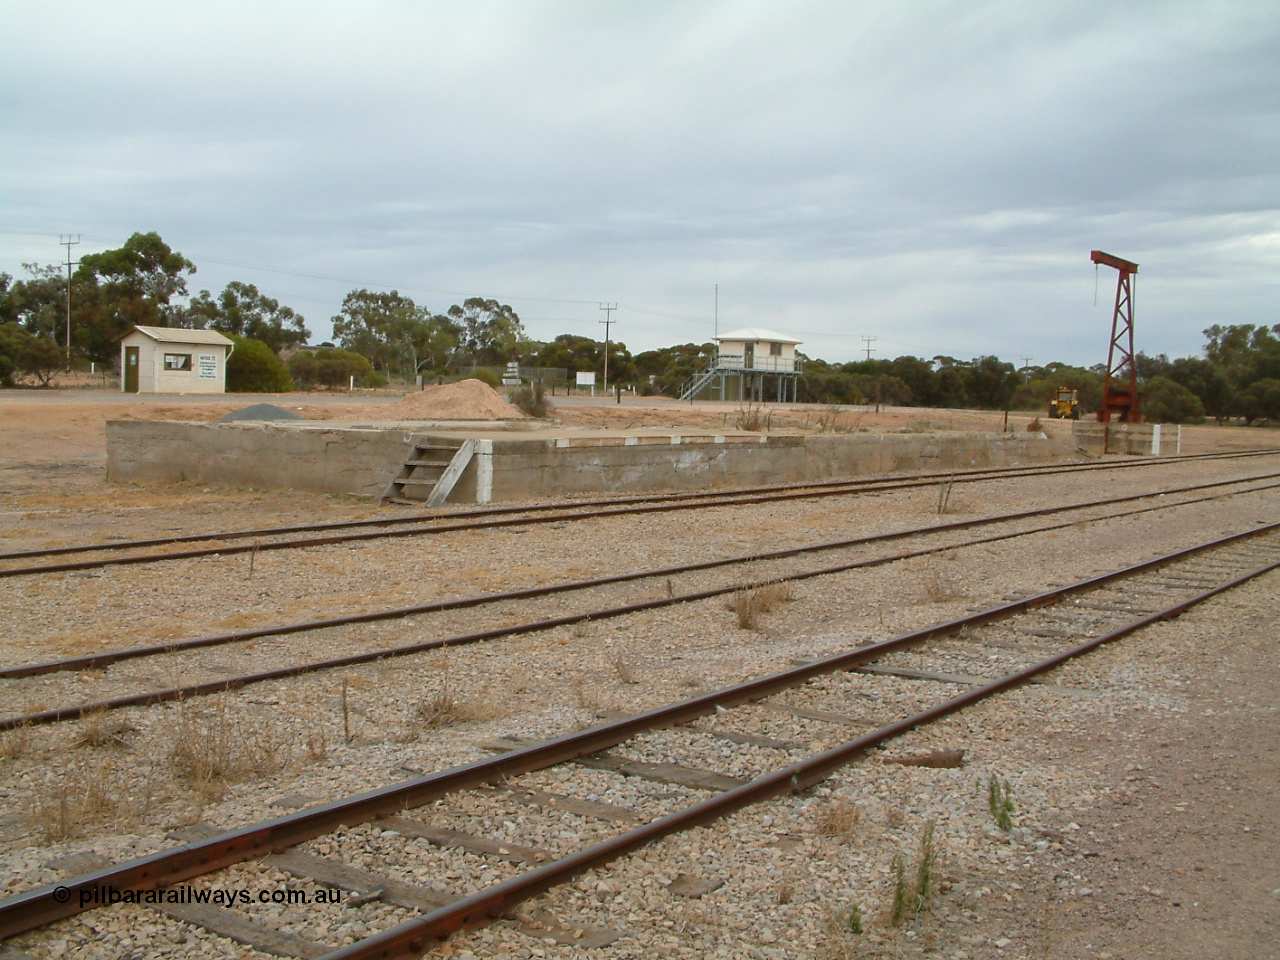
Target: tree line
pixel 380 335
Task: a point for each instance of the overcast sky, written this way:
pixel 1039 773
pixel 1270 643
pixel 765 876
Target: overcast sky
pixel 930 174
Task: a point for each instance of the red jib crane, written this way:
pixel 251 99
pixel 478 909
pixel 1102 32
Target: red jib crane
pixel 1120 388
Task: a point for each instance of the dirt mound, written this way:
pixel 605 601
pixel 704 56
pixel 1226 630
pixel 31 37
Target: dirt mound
pixel 464 400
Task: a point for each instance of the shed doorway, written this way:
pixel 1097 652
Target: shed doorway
pixel 130 369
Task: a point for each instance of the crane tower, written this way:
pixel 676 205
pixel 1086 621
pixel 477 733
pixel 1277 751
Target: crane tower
pixel 1120 388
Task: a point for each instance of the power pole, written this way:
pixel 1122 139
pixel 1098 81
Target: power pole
pixel 608 309
pixel 1026 362
pixel 68 243
pixel 869 341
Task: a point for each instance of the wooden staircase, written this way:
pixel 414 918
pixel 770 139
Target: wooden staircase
pixel 430 472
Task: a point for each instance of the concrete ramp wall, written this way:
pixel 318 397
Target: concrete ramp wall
pixel 1149 439
pixel 360 460
pixel 319 459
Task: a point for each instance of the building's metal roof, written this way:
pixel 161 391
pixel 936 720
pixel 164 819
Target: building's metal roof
pixel 750 334
pixel 180 335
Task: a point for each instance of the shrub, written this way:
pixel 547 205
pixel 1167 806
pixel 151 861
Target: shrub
pixel 485 375
pixel 532 400
pixel 1260 401
pixel 1167 401
pixel 22 354
pixel 333 367
pixel 11 343
pixel 254 368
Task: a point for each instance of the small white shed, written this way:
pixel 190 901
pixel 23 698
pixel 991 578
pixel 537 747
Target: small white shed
pixel 172 360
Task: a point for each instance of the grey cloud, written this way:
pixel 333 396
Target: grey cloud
pixel 934 174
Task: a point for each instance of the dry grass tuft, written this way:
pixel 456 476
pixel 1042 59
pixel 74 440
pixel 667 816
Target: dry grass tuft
pixel 439 709
pixel 317 745
pixel 750 605
pixel 446 707
pixel 15 743
pixel 209 749
pixel 622 669
pixel 838 819
pixel 99 730
pixel 583 695
pixel 939 588
pixel 71 809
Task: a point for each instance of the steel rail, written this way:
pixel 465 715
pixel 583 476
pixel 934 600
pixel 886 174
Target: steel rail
pixel 95 661
pixel 57 901
pixel 412 938
pixel 607 501
pixel 225 685
pixel 609 508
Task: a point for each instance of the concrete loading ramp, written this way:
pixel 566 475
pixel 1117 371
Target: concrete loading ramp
pixel 508 464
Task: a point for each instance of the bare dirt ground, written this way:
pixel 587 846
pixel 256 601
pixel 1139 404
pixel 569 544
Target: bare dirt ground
pixel 1169 849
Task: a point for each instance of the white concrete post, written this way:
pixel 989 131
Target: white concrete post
pixel 484 471
pixel 1155 439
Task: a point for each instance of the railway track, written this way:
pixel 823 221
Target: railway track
pixel 774 567
pixel 255 540
pixel 713 753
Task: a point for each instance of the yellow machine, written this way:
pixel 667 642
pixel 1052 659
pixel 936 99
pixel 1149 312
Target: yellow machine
pixel 1066 406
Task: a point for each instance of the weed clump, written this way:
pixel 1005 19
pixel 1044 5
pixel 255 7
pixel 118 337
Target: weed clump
pixel 753 417
pixel 913 888
pixel 944 494
pixel 1000 802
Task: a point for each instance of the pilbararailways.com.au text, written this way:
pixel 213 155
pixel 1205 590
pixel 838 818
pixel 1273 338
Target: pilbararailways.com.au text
pixel 106 896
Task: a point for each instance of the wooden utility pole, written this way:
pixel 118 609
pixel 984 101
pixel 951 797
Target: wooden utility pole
pixel 69 243
pixel 608 309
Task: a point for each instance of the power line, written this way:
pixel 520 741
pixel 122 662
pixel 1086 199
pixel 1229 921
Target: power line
pixel 325 276
pixel 366 282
